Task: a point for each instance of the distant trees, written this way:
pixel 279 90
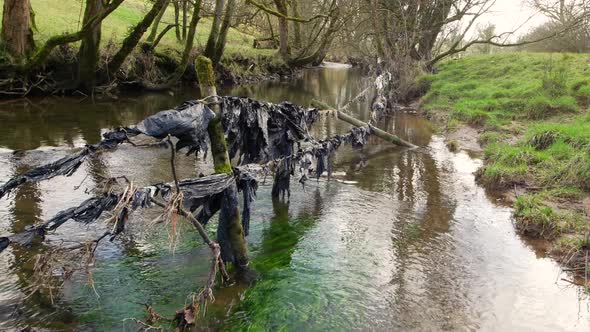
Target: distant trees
pixel 486 32
pixel 569 21
pixel 401 36
pixel 314 23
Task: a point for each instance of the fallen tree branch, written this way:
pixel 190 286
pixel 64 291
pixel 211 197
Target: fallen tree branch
pixel 358 123
pixel 278 14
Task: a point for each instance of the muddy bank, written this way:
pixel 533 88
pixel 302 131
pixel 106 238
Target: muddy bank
pixel 138 73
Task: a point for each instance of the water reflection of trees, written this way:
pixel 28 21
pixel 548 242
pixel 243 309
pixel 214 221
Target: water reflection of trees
pixel 25 307
pixel 425 209
pixel 63 121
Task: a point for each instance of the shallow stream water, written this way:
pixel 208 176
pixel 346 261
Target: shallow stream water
pixel 398 240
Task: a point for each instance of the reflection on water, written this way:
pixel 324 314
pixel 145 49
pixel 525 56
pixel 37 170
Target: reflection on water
pixel 398 240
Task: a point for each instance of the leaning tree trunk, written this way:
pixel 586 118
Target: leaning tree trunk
pixel 180 69
pixel 214 33
pixel 135 35
pixel 89 53
pixel 176 21
pixel 296 26
pixel 230 233
pixel 184 18
pixel 162 10
pixel 220 45
pixel 284 49
pixel 17 34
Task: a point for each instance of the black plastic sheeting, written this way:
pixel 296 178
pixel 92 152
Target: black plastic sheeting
pixel 187 122
pixel 247 185
pixel 317 156
pixel 256 131
pixel 282 178
pixel 209 193
pixel 65 166
pixel 87 212
pixel 261 131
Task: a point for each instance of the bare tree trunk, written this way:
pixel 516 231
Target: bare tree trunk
pixel 90 48
pixel 296 26
pixel 230 233
pixel 176 20
pixel 17 34
pixel 284 48
pixel 184 18
pixel 220 45
pixel 154 31
pixel 214 33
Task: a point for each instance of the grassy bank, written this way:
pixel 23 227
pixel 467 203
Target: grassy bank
pixel 531 114
pixel 241 60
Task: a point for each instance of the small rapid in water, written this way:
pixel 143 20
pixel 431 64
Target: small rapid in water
pixel 398 239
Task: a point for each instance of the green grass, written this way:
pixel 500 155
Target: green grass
pixel 491 91
pixel 55 17
pixel 540 98
pixel 534 217
pixel 533 112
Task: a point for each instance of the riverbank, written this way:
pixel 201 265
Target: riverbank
pixel 529 113
pixel 241 63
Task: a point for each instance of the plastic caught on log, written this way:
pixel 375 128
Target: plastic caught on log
pixel 200 192
pixel 262 131
pixel 316 157
pixel 248 185
pixel 87 212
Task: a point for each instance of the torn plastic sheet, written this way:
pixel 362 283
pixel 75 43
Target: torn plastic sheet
pixel 247 185
pixel 198 193
pixel 317 156
pixel 282 178
pixel 261 131
pixel 87 212
pixel 65 166
pixel 187 122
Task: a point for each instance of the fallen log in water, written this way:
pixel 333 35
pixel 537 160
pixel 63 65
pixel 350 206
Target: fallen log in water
pixel 358 123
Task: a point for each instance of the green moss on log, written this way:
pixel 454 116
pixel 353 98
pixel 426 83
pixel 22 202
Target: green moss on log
pixel 204 68
pixel 236 237
pixel 219 147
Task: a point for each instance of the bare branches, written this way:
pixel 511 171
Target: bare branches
pixel 276 13
pixel 492 41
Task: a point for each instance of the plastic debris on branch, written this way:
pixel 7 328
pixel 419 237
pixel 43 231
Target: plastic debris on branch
pixel 257 132
pixel 197 193
pixel 261 131
pixel 188 123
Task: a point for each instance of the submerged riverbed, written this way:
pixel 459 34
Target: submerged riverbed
pixel 398 240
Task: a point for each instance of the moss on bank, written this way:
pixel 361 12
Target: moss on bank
pixel 531 111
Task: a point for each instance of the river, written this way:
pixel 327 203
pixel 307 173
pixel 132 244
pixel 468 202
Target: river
pixel 398 240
